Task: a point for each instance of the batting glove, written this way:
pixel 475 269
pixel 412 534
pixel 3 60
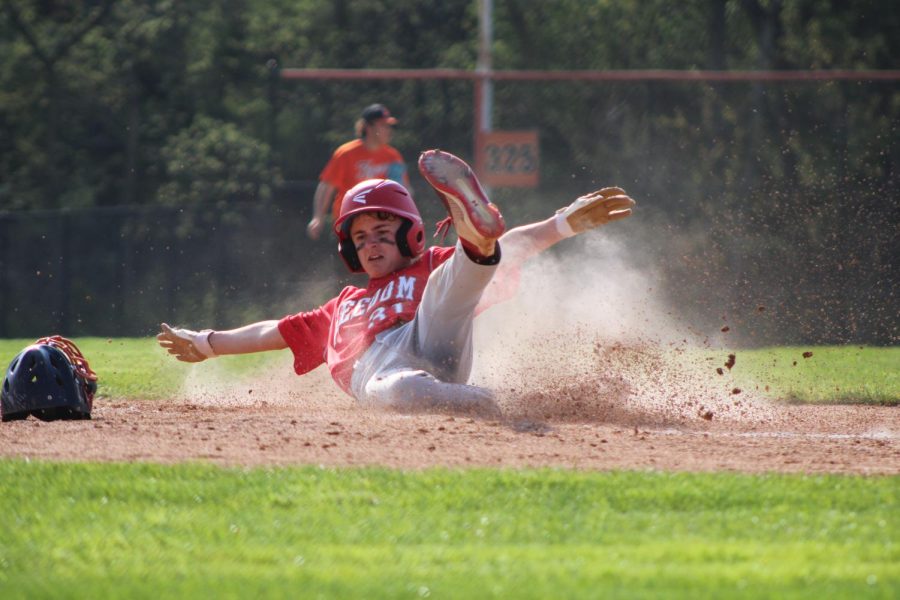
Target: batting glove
pixel 592 210
pixel 186 345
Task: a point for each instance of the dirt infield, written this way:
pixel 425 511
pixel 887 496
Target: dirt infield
pixel 601 407
pixel 591 373
pixel 831 439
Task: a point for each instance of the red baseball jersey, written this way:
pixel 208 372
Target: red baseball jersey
pixel 354 162
pixel 341 330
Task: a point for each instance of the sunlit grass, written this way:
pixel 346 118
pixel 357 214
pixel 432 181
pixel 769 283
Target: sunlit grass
pixel 148 531
pixel 139 368
pixel 826 375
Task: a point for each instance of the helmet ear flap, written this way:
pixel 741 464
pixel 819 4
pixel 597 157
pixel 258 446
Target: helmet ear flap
pixel 410 240
pixel 347 250
pixel 402 237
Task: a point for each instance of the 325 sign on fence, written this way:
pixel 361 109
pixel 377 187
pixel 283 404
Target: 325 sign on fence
pixel 509 158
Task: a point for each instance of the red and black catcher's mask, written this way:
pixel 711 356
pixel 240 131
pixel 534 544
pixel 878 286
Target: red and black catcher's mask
pixel 380 195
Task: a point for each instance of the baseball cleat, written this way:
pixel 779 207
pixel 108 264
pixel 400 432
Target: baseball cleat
pixel 478 223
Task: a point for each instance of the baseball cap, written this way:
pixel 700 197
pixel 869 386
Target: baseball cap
pixel 376 112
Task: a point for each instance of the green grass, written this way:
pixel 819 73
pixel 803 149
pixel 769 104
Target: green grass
pixel 89 530
pixel 149 531
pixel 832 375
pixel 138 368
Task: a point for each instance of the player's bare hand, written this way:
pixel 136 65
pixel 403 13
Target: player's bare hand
pixel 597 208
pixel 314 228
pixel 183 344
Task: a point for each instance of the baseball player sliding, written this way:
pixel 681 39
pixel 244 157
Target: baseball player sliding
pixel 404 341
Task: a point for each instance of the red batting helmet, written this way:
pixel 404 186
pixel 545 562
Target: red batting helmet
pixel 379 195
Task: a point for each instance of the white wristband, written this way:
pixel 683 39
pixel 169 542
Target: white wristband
pixel 201 342
pixel 563 227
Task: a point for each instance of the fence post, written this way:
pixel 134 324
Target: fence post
pixel 65 275
pixel 272 88
pixel 4 273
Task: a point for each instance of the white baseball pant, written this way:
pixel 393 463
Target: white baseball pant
pixel 427 361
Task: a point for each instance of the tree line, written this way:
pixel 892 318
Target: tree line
pixel 772 193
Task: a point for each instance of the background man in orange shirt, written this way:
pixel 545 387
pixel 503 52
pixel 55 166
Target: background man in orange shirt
pixel 370 156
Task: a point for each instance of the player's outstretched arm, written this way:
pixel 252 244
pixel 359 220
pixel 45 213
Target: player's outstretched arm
pixel 321 201
pixel 585 213
pixel 195 346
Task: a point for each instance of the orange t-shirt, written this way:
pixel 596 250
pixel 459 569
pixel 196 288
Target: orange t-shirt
pixel 353 162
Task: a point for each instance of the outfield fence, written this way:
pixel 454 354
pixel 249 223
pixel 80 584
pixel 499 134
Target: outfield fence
pixel 774 196
pixel 119 271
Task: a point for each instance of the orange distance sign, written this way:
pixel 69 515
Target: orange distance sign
pixel 509 158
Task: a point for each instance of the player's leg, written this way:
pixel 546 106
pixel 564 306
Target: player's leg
pixel 409 390
pixel 424 364
pixel 442 329
pixel 443 323
pixel 439 338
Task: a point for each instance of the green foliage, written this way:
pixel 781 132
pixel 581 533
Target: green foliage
pixel 177 531
pixel 126 78
pixel 212 162
pixel 742 187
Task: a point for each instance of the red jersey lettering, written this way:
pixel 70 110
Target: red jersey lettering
pixel 341 330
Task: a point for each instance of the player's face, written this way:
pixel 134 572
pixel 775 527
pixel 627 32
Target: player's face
pixel 375 240
pixel 382 131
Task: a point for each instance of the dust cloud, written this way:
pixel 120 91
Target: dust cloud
pixel 589 337
pixel 216 383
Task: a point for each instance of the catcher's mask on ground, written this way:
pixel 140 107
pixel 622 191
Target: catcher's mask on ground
pixel 380 195
pixel 49 379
